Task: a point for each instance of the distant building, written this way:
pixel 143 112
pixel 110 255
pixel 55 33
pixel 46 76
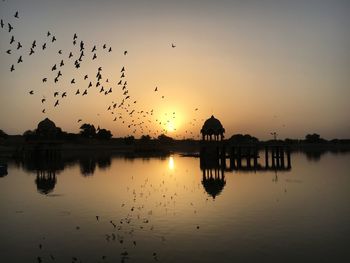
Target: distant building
pixel 212 130
pixel 47 129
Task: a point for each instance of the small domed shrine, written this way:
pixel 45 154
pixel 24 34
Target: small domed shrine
pixel 212 130
pixel 47 129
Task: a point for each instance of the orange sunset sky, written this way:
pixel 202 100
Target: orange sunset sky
pixel 258 66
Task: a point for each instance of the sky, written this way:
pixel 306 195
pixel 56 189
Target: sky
pixel 257 66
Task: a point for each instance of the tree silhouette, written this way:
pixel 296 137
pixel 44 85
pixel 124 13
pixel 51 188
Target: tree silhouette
pixel 88 130
pixel 104 134
pixel 3 134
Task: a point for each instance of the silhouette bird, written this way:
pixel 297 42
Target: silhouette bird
pixel 60 51
pixel 93 49
pixel 10 27
pixel 44 79
pixel 19 59
pixel 172 45
pixel 56 79
pixel 125 52
pixel 104 46
pixel 43 100
pixel 110 49
pixel 79 120
pixel 31 51
pixel 57 103
pixel 43 111
pixel 75 36
pixel 85 92
pixel 94 57
pixel 123 75
pixel 64 94
pixel 16 15
pixel 19 45
pixel 120 82
pixel 8 51
pixel 43 46
pixel 85 77
pixel 72 81
pixel 2 23
pixel 53 39
pixel 48 34
pixel 156 89
pixel 54 67
pixel 31 92
pixel 12 68
pixel 34 44
pixel 12 40
pixel 90 85
pixel 55 94
pixel 77 92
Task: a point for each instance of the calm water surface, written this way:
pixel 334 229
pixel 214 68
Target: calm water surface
pixel 159 210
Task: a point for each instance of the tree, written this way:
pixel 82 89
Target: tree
pixel 313 138
pixel 240 138
pixel 164 138
pixel 145 138
pixel 129 140
pixel 104 134
pixel 3 134
pixel 88 130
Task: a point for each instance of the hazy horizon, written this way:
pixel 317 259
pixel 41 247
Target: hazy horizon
pixel 276 66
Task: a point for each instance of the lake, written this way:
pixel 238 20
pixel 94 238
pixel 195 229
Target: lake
pixel 116 209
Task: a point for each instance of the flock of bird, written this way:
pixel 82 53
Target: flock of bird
pixel 124 108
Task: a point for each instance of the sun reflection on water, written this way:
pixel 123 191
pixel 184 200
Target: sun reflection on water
pixel 171 163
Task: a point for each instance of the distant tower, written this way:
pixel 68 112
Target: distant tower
pixel 212 130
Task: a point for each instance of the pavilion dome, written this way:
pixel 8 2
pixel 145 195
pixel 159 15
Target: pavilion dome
pixel 47 129
pixel 212 126
pixel 213 186
pixel 46 124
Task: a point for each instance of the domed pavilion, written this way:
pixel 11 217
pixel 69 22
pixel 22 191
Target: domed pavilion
pixel 47 129
pixel 212 130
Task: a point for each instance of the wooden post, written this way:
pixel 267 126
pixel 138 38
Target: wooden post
pixel 266 156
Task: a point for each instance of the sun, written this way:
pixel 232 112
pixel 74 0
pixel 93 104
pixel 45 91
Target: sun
pixel 170 127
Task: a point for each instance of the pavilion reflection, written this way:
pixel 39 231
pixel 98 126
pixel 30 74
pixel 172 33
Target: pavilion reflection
pixel 213 179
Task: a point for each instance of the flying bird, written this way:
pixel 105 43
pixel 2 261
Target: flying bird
pixel 12 40
pixel 85 92
pixel 19 59
pixel 8 51
pixel 2 23
pixel 56 104
pixel 44 46
pixel 53 39
pixel 10 27
pixel 77 92
pixel 12 68
pixel 125 52
pixel 31 92
pixel 44 79
pixel 172 45
pixel 156 89
pixel 48 33
pixel 19 45
pixel 16 15
pixel 54 67
pixel 31 51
